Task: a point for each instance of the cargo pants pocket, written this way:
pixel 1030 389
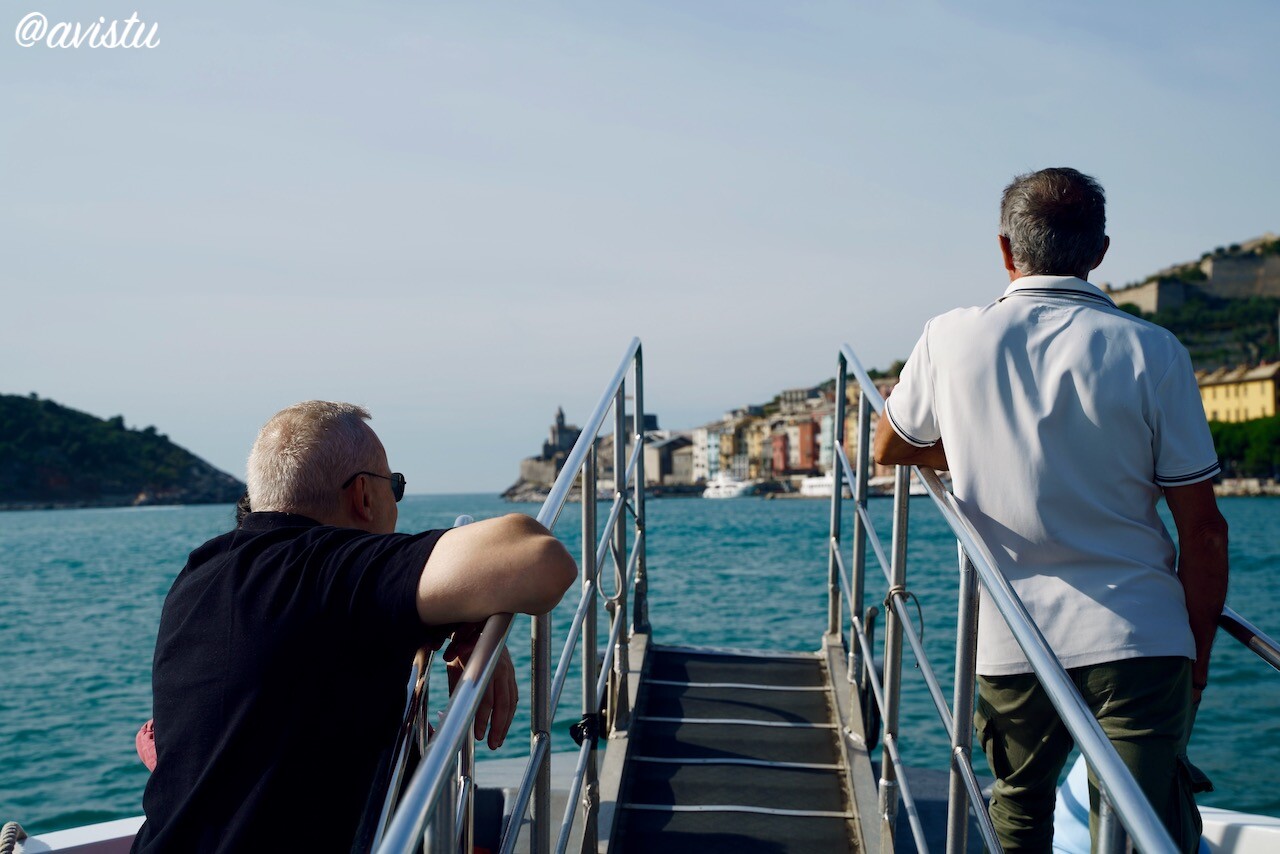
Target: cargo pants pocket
pixel 992 744
pixel 1190 825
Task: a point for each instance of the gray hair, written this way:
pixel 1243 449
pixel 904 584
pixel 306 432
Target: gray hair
pixel 303 454
pixel 1056 222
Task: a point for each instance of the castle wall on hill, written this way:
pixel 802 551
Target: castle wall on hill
pixel 1235 276
pixel 1242 276
pixel 535 470
pixel 1151 297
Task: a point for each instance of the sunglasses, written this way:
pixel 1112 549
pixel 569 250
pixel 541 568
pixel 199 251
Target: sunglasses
pixel 397 482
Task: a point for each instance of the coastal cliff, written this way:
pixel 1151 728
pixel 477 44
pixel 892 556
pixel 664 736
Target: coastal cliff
pixel 55 457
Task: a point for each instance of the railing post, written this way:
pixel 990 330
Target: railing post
pixel 857 584
pixel 640 618
pixel 467 765
pixel 962 707
pixel 893 659
pixel 1111 835
pixel 837 489
pixel 619 697
pixel 540 722
pixel 590 704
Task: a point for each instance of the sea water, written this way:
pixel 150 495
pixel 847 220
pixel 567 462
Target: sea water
pixel 81 592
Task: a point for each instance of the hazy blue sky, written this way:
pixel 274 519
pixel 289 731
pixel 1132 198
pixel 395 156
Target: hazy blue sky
pixel 459 213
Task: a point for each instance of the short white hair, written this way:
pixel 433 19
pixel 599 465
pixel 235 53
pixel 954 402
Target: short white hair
pixel 305 452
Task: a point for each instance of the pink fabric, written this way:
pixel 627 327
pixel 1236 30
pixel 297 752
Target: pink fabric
pixel 145 742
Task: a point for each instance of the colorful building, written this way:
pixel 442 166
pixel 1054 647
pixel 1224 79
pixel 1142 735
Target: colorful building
pixel 1239 394
pixel 758 449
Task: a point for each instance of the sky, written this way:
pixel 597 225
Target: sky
pixel 459 214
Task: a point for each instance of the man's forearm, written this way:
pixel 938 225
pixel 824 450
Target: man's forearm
pixel 1202 569
pixel 934 456
pixel 892 449
pixel 505 565
pixel 1202 566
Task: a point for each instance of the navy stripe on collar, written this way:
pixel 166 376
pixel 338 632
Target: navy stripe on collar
pixel 1056 292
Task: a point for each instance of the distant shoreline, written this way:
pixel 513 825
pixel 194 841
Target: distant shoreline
pixel 1246 487
pixel 1239 487
pixel 96 504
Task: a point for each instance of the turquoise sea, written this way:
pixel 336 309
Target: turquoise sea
pixel 82 591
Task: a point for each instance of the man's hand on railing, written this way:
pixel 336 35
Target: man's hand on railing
pixel 498 706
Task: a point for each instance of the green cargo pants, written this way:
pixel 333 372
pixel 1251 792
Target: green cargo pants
pixel 1144 707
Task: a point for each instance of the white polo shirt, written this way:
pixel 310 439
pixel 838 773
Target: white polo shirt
pixel 1063 417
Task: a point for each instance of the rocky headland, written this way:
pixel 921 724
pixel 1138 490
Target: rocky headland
pixel 52 457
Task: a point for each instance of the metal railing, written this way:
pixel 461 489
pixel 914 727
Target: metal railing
pixel 433 813
pixel 1250 636
pixel 1122 800
pixel 430 814
pixel 411 742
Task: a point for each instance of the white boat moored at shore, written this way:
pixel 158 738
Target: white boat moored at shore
pixel 821 487
pixel 724 486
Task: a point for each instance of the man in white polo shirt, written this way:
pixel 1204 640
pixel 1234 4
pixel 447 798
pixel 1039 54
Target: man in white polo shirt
pixel 1065 420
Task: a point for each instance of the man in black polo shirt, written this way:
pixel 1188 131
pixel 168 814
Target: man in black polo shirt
pixel 284 645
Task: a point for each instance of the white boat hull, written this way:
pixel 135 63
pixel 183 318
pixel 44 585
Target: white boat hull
pixel 108 837
pixel 722 486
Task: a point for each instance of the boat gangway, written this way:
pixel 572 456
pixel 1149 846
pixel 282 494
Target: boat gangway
pixel 703 749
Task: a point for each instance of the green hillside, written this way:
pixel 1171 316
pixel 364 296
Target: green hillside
pixel 52 456
pixel 1222 332
pixel 1248 448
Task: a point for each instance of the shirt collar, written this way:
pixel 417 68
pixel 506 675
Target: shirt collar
pixel 1066 287
pixel 271 520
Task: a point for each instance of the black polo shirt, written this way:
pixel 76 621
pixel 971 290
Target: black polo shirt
pixel 278 683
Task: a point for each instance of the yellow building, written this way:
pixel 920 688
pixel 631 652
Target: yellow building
pixel 1239 394
pixel 728 449
pixel 758 447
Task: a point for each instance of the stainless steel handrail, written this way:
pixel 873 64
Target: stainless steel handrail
pixel 418 805
pixel 1251 636
pixel 415 709
pixel 1115 782
pixel 413 723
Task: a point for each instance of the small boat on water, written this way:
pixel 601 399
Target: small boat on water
pixel 821 487
pixel 725 486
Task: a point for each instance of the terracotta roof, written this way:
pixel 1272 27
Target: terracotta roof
pixel 1238 374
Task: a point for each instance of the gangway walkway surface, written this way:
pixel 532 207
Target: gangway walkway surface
pixel 737 751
